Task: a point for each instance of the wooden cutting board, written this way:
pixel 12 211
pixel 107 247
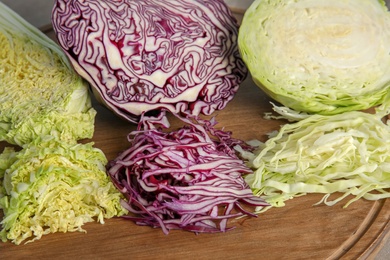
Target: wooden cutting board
pixel 297 231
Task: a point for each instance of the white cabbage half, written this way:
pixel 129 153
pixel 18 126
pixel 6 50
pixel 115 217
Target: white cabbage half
pixel 319 56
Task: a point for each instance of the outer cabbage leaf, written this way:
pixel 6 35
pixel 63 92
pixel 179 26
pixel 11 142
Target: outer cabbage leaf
pixel 318 56
pixel 347 153
pixel 51 186
pixel 40 93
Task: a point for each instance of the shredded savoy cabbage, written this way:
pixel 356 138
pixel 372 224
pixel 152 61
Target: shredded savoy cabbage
pixel 40 93
pixel 51 186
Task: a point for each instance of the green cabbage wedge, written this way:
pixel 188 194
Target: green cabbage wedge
pixel 318 56
pixel 51 186
pixel 40 93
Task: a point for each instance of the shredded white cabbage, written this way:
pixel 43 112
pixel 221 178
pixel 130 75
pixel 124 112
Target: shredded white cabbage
pixel 347 153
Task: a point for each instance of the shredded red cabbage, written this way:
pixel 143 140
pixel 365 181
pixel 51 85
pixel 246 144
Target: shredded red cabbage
pixel 189 179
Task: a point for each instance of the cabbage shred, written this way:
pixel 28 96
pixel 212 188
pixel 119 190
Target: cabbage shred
pixel 347 153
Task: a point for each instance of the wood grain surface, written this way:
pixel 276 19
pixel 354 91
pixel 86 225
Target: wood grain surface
pixel 299 230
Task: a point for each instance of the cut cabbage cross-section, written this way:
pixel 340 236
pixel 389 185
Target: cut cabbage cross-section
pixel 319 56
pixel 153 55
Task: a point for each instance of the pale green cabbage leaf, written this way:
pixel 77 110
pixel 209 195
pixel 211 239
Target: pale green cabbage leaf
pixel 40 93
pixel 51 186
pixel 347 154
pixel 316 56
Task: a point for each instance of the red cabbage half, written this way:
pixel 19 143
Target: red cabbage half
pixel 189 179
pixel 153 55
